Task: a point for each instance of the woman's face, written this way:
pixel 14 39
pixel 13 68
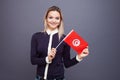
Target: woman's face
pixel 53 20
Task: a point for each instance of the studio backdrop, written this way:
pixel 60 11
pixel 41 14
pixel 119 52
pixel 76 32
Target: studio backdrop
pixel 97 21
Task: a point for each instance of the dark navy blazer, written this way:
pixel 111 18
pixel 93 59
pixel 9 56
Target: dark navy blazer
pixel 39 47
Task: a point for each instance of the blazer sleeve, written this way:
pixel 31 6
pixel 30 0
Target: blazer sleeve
pixel 68 62
pixel 35 59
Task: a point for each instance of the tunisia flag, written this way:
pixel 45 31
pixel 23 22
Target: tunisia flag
pixel 75 41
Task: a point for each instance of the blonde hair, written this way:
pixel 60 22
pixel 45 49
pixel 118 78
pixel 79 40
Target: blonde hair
pixel 61 26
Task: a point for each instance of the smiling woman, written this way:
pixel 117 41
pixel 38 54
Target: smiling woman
pixel 50 62
pixel 54 16
pixel 53 20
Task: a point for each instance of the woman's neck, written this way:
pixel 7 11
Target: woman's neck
pixel 49 31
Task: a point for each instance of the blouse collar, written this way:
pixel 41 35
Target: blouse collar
pixel 52 32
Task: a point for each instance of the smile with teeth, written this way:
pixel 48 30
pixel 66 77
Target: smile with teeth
pixel 53 24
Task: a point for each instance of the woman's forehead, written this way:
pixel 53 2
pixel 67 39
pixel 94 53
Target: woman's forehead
pixel 54 13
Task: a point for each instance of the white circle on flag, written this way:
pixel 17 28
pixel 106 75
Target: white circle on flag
pixel 76 42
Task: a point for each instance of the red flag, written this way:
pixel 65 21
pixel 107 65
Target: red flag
pixel 75 41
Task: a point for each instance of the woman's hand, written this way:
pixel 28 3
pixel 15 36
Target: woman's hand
pixel 52 54
pixel 84 53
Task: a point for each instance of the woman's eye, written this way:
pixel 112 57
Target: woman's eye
pixel 57 18
pixel 50 17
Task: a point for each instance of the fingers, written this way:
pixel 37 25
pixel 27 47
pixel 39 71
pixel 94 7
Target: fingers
pixel 53 50
pixel 52 54
pixel 84 53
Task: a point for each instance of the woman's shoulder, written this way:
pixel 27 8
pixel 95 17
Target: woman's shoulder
pixel 37 34
pixel 63 36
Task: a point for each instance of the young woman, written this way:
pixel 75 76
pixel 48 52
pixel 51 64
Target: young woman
pixel 49 60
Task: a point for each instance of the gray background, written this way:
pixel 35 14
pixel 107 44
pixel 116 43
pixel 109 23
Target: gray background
pixel 97 21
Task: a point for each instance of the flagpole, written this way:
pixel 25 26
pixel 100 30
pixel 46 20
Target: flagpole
pixel 59 43
pixel 64 38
